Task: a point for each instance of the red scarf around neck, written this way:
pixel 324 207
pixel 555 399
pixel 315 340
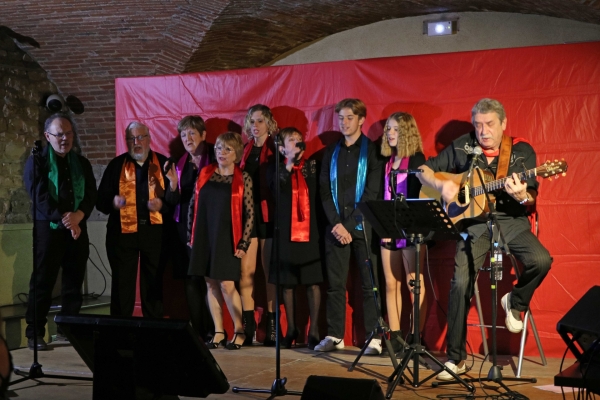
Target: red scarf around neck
pixel 300 231
pixel 496 153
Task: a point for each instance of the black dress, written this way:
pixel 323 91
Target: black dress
pixel 212 254
pixel 178 231
pixel 262 229
pixel 301 262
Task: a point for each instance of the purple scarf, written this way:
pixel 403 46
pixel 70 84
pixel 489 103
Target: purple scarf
pixel 204 161
pixel 401 187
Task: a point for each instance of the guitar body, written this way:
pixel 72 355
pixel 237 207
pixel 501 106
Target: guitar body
pixel 471 201
pixel 463 206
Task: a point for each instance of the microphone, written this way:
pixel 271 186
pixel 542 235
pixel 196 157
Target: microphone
pixel 476 152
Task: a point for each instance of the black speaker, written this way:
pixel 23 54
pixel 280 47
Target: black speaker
pixel 139 358
pixel 333 388
pixel 580 327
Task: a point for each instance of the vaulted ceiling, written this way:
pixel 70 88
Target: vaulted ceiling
pixel 84 46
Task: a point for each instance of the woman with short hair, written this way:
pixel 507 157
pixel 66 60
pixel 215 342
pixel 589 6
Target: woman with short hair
pixel 221 224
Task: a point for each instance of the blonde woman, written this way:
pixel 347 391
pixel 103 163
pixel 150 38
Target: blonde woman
pixel 401 142
pixel 259 126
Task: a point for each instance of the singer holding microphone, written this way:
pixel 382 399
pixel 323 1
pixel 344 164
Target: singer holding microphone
pixel 401 142
pixel 502 155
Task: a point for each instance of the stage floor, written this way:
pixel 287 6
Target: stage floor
pixel 254 367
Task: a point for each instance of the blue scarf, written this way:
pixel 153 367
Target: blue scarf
pixel 77 179
pixel 361 174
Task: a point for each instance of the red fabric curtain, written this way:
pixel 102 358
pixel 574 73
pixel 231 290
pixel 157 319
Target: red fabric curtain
pixel 552 99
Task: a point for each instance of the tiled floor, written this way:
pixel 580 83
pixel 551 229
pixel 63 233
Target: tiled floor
pixel 254 367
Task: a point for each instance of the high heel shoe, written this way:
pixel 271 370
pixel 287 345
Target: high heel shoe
pixel 213 345
pixel 290 338
pixel 233 345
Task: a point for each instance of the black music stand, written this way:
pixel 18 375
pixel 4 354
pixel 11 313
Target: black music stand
pixel 417 221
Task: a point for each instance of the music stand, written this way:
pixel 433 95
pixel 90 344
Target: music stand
pixel 417 221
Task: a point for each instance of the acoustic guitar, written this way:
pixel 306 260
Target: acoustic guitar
pixel 471 201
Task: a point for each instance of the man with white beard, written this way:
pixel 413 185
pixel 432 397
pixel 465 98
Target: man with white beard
pixel 131 193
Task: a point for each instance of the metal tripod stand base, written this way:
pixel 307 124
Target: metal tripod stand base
pixel 494 375
pixel 35 372
pixel 413 353
pixel 277 389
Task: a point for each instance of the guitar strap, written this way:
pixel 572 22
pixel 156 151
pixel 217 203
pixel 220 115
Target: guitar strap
pixel 504 157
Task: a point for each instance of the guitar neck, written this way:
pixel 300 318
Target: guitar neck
pixel 499 184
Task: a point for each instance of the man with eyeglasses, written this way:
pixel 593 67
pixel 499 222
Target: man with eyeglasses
pixel 64 190
pixel 131 192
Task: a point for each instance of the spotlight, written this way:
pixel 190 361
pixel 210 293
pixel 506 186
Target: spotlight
pixel 440 28
pixel 55 103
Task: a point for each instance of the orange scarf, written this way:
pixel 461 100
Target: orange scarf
pixel 237 198
pixel 129 223
pixel 266 152
pixel 300 231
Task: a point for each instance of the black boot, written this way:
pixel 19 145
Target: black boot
pixel 249 326
pixel 270 331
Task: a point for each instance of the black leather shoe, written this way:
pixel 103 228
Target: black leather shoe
pixel 41 343
pixel 290 338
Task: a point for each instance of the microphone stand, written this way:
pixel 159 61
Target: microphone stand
pixel 494 374
pixel 278 386
pixel 35 371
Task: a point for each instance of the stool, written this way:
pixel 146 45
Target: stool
pixel 528 316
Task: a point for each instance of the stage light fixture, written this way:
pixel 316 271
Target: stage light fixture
pixel 55 103
pixel 440 27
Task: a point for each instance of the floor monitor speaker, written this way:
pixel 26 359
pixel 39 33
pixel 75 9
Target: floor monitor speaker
pixel 139 358
pixel 333 388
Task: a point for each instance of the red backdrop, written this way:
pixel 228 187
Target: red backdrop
pixel 552 99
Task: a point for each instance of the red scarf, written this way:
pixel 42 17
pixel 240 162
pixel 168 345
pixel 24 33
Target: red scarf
pixel 266 152
pixel 300 231
pixel 237 197
pixel 496 153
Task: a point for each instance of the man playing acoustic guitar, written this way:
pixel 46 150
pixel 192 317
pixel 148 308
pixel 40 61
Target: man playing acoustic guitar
pixel 503 157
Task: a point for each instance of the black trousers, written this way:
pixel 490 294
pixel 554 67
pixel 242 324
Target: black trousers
pixel 337 258
pixel 125 252
pixel 469 258
pixel 56 248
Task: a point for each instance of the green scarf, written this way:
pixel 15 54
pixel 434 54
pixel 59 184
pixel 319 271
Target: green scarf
pixel 77 179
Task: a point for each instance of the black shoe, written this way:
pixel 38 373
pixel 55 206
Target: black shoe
pixel 233 345
pixel 223 342
pixel 270 331
pixel 249 326
pixel 41 343
pixel 312 342
pixel 290 338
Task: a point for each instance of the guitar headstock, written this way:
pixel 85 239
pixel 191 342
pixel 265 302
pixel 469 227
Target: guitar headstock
pixel 551 169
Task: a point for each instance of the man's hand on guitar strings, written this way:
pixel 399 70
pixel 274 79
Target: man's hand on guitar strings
pixel 515 188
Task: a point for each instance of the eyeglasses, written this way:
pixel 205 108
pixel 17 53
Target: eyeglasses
pixel 132 139
pixel 223 149
pixel 61 134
